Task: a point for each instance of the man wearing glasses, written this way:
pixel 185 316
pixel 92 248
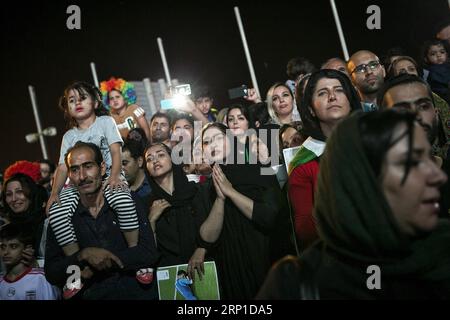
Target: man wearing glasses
pixel 367 75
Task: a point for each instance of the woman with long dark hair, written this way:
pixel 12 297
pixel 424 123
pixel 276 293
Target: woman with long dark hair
pixel 329 97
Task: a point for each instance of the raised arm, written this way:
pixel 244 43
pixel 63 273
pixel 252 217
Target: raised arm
pixel 58 183
pixel 143 124
pixel 212 227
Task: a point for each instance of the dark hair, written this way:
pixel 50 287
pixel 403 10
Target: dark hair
pixel 165 147
pixel 297 66
pixel 297 125
pixel 426 47
pixel 37 195
pixel 244 112
pixel 98 157
pixel 391 70
pixel 258 112
pixel 151 145
pixel 82 88
pixel 160 115
pixel 331 59
pixel 143 140
pixel 24 232
pixel 376 130
pixel 401 79
pixel 301 87
pixel 50 164
pixel 392 52
pixel 134 148
pixel 185 116
pixel 181 273
pixel 202 92
pixel 311 124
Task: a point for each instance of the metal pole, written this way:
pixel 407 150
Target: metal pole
pixel 94 74
pixel 339 29
pixel 150 96
pixel 247 52
pixel 38 121
pixel 164 61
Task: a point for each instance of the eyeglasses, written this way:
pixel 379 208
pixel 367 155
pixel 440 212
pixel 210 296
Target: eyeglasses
pixel 362 68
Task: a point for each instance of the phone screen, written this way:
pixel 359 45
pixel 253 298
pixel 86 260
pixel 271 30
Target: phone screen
pixel 238 92
pixel 167 104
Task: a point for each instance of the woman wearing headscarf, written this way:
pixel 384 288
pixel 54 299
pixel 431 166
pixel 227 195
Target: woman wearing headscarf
pixel 377 212
pixel 173 220
pixel 242 205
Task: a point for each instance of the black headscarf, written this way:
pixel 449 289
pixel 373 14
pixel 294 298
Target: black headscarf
pixel 183 193
pixel 356 222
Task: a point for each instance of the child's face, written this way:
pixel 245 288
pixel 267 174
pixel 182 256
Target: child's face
pixel 11 252
pixel 116 100
pixel 80 106
pixel 437 54
pixel 204 104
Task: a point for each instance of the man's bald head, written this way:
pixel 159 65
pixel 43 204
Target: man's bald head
pixel 367 73
pixel 358 56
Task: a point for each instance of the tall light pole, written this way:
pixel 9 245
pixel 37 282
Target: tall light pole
pixel 164 61
pixel 339 30
pixel 246 50
pixel 48 131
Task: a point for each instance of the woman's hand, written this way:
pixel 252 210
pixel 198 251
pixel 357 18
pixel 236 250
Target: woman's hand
pixel 157 208
pixel 252 96
pixel 219 192
pixel 260 148
pixel 223 183
pixel 196 263
pixel 185 104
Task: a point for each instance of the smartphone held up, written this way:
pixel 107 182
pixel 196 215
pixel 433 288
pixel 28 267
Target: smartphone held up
pixel 239 92
pixel 178 94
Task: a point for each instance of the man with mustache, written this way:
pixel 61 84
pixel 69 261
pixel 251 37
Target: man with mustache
pixel 367 75
pixel 160 129
pixel 108 266
pixel 410 92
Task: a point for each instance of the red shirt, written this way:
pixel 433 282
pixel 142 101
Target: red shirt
pixel 301 187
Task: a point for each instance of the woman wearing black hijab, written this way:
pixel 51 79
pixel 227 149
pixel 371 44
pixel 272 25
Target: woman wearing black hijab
pixel 173 220
pixel 377 216
pixel 242 205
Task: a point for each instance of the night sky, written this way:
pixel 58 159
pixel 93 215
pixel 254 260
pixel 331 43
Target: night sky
pixel 201 40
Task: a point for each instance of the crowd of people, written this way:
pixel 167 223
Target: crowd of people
pixel 366 187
